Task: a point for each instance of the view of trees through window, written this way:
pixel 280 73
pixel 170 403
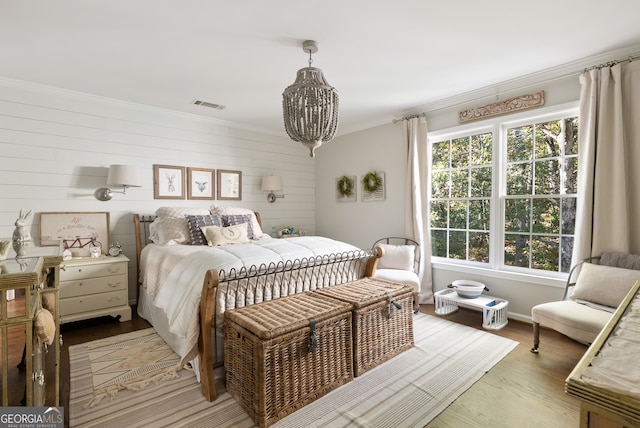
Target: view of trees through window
pixel 461 197
pixel 537 207
pixel 540 204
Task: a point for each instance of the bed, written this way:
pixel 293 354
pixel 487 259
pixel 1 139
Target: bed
pixel 196 263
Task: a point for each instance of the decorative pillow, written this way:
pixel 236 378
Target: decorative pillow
pixel 236 234
pixel 397 257
pixel 226 210
pixel 155 230
pixel 230 220
pixel 604 285
pixel 196 222
pixel 45 326
pixel 173 223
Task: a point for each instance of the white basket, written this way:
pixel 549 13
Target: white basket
pixel 445 305
pixel 494 311
pixel 495 317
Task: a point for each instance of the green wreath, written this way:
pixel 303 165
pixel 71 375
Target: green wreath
pixel 371 182
pixel 344 186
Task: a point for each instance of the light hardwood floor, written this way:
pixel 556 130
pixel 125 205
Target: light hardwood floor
pixel 523 390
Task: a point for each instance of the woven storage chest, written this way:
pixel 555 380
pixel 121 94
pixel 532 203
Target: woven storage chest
pixel 270 370
pixel 380 330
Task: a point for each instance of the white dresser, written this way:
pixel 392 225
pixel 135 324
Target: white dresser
pixel 91 288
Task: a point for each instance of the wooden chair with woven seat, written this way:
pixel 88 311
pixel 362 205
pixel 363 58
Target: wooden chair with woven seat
pixel 400 263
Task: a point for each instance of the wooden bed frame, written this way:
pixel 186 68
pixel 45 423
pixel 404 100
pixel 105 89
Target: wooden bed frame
pixel 347 266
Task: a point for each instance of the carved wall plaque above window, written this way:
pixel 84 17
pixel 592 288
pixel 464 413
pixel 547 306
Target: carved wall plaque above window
pixel 511 105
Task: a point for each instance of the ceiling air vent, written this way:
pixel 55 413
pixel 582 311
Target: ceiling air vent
pixel 208 104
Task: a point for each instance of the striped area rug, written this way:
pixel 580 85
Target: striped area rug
pixel 409 390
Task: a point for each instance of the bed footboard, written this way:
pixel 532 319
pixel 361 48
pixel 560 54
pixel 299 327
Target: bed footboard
pixel 205 355
pixel 237 288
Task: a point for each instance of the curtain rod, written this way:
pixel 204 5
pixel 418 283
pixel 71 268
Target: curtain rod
pixel 611 63
pixel 413 116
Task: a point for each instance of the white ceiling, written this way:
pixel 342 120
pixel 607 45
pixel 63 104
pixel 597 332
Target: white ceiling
pixel 385 58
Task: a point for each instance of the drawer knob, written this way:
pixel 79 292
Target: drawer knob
pixel 114 270
pixel 114 285
pixel 114 298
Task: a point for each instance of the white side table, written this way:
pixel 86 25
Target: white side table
pixel 94 287
pixel 494 310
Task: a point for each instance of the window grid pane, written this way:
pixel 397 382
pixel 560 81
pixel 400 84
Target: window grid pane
pixel 540 202
pixel 461 197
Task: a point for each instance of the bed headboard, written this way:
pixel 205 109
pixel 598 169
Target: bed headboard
pixel 141 224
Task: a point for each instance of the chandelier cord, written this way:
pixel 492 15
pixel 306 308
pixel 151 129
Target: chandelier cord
pixel 310 59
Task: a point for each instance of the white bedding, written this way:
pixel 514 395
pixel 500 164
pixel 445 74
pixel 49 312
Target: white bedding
pixel 172 275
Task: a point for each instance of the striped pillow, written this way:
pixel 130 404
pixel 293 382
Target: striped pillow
pixel 195 222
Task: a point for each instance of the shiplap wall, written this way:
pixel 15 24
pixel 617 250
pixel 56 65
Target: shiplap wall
pixel 56 147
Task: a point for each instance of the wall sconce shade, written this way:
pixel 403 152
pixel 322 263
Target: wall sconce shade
pixel 124 175
pixel 271 184
pixel 119 175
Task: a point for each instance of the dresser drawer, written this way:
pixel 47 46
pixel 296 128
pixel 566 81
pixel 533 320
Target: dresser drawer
pixel 76 305
pixel 86 286
pixel 73 272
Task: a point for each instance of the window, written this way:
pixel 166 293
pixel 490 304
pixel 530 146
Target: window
pixel 504 196
pixel 461 197
pixel 540 202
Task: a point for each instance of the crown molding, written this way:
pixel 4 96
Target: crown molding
pixel 566 70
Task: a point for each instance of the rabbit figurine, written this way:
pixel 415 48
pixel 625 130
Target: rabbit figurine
pixel 22 233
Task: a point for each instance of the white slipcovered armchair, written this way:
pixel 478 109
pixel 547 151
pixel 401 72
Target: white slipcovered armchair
pixel 589 302
pixel 400 262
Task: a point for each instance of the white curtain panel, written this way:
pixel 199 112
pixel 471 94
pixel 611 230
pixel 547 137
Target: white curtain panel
pixel 608 212
pixel 416 199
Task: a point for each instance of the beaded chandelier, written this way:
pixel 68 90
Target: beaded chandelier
pixel 310 106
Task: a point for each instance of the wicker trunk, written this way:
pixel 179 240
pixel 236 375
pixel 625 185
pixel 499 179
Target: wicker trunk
pixel 380 330
pixel 271 369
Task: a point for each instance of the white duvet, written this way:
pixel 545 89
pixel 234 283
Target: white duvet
pixel 173 274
